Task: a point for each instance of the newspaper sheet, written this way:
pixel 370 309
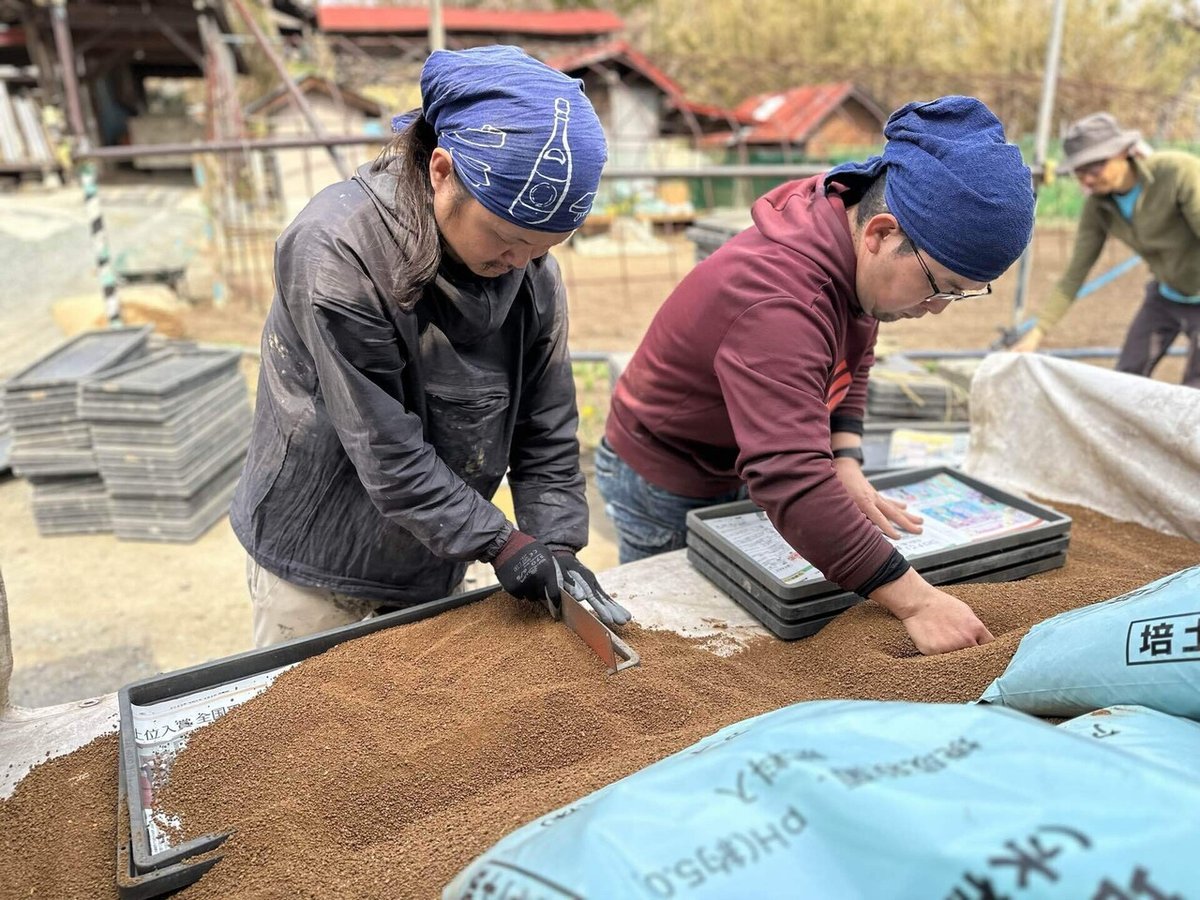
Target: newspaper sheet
pixel 911 448
pixel 161 730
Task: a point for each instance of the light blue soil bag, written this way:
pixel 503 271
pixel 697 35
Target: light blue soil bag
pixel 854 799
pixel 1170 741
pixel 1142 648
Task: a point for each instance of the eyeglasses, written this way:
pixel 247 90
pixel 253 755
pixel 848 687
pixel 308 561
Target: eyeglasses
pixel 938 293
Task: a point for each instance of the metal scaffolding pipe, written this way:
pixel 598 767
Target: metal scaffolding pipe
pixel 225 146
pixel 1042 142
pixel 1064 353
pixel 66 59
pixel 297 97
pixel 91 198
pixel 301 141
pixel 437 26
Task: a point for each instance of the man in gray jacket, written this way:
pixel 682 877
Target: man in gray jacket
pixel 415 351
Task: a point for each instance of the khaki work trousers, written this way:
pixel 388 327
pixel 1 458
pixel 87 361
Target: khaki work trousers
pixel 282 610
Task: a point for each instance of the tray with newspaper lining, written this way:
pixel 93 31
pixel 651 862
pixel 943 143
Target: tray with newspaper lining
pixel 972 530
pixel 158 714
pixel 807 618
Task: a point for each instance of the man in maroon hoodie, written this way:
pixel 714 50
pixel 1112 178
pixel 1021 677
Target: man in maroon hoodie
pixel 753 374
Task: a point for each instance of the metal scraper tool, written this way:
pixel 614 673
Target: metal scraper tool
pixel 615 653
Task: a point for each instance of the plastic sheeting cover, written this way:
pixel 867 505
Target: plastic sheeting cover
pixel 1067 432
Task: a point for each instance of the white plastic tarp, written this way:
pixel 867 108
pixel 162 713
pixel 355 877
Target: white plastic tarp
pixel 1063 431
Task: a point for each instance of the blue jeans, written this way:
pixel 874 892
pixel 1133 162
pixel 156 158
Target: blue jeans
pixel 649 519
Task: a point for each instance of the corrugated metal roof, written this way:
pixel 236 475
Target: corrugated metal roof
pixel 621 52
pixel 12 37
pixel 415 19
pixel 618 51
pixel 791 117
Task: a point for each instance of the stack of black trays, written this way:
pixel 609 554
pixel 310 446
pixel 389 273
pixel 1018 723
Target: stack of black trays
pixel 6 438
pixel 710 232
pixel 170 434
pixel 52 445
pixel 1000 537
pixel 900 389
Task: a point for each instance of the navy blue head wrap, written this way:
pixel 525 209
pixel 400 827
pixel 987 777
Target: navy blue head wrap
pixel 525 140
pixel 961 193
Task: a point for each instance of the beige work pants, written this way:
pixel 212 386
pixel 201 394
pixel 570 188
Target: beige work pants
pixel 282 610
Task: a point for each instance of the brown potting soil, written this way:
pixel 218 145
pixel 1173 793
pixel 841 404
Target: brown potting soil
pixel 58 831
pixel 382 767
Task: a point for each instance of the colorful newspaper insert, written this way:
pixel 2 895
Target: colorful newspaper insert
pixel 911 448
pixel 970 515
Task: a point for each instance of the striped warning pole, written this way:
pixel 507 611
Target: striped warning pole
pixel 104 266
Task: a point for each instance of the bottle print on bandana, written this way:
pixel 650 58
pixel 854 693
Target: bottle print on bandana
pixel 550 178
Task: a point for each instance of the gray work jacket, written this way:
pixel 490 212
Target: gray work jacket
pixel 380 436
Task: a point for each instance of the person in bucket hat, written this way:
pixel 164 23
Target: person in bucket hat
pixel 1097 138
pixel 415 353
pixel 1151 203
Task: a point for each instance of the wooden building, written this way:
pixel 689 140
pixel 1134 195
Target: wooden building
pixel 117 45
pixel 644 112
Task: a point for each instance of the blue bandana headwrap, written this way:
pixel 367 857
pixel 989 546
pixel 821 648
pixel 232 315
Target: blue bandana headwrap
pixel 525 140
pixel 957 189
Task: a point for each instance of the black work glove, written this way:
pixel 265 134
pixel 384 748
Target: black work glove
pixel 525 568
pixel 581 584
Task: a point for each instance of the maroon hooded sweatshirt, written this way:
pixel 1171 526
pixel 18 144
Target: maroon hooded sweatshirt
pixel 757 355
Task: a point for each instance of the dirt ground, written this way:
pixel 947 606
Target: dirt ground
pixel 91 613
pixel 613 298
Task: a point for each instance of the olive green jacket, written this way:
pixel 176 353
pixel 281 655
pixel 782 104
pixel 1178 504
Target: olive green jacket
pixel 1164 231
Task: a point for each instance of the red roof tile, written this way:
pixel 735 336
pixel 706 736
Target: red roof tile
pixel 415 19
pixel 792 116
pixel 621 52
pixel 12 37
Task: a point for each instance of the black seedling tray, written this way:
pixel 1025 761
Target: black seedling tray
pixel 189 490
pixel 164 374
pixel 81 357
pixel 114 421
pixel 134 885
pixel 950 573
pixel 794 630
pixel 877 439
pixel 165 525
pixel 1053 523
pixel 141 873
pixel 178 460
pixel 789 631
pixel 184 406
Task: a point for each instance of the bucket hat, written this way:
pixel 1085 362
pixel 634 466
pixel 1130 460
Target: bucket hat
pixel 1094 138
